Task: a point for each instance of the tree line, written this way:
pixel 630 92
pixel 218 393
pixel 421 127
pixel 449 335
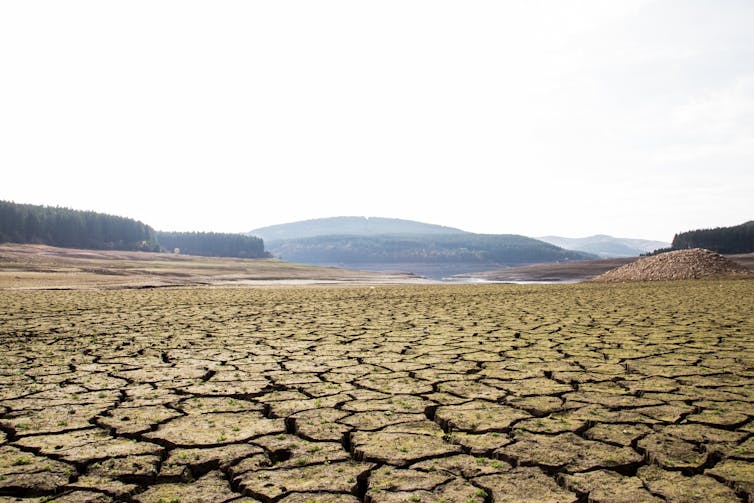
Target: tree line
pixel 28 223
pixel 213 244
pixel 736 239
pixel 68 228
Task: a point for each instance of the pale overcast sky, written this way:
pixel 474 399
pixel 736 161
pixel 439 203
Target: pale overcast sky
pixel 632 118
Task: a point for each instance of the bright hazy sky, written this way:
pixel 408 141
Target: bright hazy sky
pixel 631 118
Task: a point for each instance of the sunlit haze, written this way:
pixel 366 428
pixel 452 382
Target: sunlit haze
pixel 630 118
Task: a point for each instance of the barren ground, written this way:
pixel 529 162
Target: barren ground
pixel 24 266
pixel 562 271
pixel 575 271
pixel 605 393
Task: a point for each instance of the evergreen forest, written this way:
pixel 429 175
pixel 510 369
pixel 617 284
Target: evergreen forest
pixel 213 244
pixel 425 248
pixel 68 228
pixel 736 239
pixel 64 227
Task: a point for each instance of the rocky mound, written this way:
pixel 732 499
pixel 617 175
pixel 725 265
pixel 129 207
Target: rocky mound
pixel 694 263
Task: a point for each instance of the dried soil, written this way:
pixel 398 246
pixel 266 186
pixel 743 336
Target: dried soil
pixel 473 394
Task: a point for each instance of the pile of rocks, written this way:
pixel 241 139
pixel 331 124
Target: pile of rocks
pixel 693 263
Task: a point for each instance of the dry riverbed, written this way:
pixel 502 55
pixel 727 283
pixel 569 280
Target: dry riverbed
pixel 631 392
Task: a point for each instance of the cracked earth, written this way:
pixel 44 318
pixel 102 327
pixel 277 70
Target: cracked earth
pixel 572 393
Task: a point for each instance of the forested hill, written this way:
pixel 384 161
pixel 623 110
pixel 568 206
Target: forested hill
pixel 67 228
pixel 736 239
pixel 28 223
pixel 437 256
pixel 213 244
pixel 350 226
pixel 390 244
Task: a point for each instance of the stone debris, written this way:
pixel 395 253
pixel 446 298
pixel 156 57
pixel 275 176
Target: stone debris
pixel 694 263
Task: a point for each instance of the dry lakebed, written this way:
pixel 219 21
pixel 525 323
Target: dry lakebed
pixel 416 393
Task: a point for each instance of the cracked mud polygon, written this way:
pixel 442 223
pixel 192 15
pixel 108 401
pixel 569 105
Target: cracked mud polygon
pixel 601 393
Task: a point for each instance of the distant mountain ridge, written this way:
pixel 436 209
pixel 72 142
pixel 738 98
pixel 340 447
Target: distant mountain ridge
pixel 606 246
pixel 383 244
pixel 349 226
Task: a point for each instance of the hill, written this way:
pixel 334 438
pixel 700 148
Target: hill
pixel 434 248
pixel 348 226
pixel 736 239
pixel 606 246
pixel 381 244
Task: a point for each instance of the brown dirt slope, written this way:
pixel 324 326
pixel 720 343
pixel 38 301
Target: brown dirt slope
pixel 744 259
pixel 694 263
pixel 576 270
pixel 26 266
